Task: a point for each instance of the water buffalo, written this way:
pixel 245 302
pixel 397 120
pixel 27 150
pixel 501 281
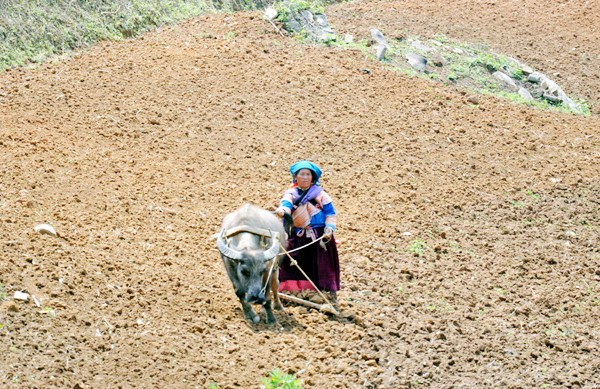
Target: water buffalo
pixel 249 243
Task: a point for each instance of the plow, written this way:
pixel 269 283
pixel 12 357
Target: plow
pixel 327 307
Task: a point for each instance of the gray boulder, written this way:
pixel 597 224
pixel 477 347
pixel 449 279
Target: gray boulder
pixel 382 45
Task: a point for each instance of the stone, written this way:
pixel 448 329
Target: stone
pixel 21 296
pixel 437 60
pixel 419 46
pixel 524 93
pixel 270 13
pixel 381 50
pixel 473 100
pixel 506 80
pixel 534 77
pixel 315 26
pixel 378 37
pixel 382 45
pixel 416 61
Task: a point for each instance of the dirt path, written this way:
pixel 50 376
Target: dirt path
pixel 135 151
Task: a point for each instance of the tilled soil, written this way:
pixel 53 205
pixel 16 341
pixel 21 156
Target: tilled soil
pixel 468 234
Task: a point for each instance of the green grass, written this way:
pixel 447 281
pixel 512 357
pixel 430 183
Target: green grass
pixel 417 247
pixel 285 9
pixel 33 30
pixel 279 380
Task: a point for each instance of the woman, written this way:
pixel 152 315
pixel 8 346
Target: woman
pixel 314 217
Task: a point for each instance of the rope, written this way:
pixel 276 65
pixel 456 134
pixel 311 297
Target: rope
pixel 306 245
pixel 295 263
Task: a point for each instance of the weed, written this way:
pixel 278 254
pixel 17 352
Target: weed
pixel 49 311
pixel 286 9
pixel 452 76
pixel 417 247
pixel 517 204
pixel 212 385
pixel 441 306
pixel 279 380
pixel 532 194
pixel 229 36
pixel 500 291
pixel 35 31
pixel 490 61
pixel 517 74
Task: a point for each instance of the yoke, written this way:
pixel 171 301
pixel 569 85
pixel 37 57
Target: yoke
pixel 253 230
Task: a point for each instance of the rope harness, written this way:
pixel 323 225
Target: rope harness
pixel 264 233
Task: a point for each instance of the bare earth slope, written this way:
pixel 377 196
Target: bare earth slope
pixel 135 151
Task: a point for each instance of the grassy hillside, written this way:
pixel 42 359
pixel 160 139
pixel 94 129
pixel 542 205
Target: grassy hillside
pixel 31 31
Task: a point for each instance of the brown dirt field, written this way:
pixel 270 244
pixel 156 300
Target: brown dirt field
pixel 135 151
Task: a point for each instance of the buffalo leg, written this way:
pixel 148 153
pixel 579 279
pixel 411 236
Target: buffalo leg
pixel 275 290
pixel 269 312
pixel 248 311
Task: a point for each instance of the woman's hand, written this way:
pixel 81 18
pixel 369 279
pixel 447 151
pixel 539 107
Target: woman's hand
pixel 280 211
pixel 327 233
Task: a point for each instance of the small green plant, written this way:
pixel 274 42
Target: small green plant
pixel 285 9
pixel 491 62
pixel 212 385
pixel 500 291
pixel 49 311
pixel 517 204
pixel 279 380
pixel 229 36
pixel 441 306
pixel 452 76
pixel 518 74
pixel 417 247
pixel 532 194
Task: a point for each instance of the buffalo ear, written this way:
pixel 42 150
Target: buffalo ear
pixel 288 223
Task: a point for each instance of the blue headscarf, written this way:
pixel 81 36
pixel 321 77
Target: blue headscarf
pixel 306 165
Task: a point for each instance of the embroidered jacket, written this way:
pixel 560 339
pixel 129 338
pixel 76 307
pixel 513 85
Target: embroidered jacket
pixel 314 210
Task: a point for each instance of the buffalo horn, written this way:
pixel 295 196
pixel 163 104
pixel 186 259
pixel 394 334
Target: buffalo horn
pixel 226 250
pixel 273 250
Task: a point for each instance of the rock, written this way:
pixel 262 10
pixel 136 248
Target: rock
pixel 315 26
pixel 552 98
pixel 437 60
pixel 472 100
pixel 506 80
pixel 382 45
pixel 534 77
pixel 416 61
pixel 381 50
pixel 348 38
pixel 419 46
pixel 524 93
pixel 46 229
pixel 271 13
pixel 21 296
pixel 378 37
pixel 527 70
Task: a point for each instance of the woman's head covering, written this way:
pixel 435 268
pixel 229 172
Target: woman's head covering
pixel 306 165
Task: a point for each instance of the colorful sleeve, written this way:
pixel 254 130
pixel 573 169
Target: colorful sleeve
pixel 286 202
pixel 328 210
